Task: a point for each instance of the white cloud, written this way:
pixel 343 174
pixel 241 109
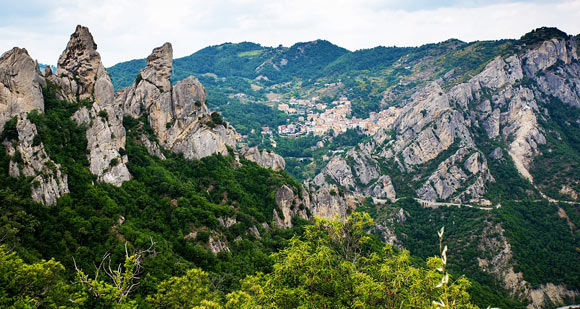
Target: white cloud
pixel 130 29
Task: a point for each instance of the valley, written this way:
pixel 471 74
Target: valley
pixel 252 176
pixel 451 125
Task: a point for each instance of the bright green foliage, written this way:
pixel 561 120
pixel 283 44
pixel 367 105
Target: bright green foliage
pixel 123 280
pixel 25 285
pixel 186 292
pixel 329 271
pixel 335 265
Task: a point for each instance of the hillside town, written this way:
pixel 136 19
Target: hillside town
pixel 335 117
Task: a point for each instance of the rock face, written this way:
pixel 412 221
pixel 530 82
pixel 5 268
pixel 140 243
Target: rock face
pixel 106 138
pixel 266 159
pixel 434 137
pixel 29 159
pixel 216 245
pixel 519 122
pixel 152 147
pixel 80 70
pixel 383 188
pixel 450 176
pixel 325 202
pixel 290 205
pixel 82 77
pixel 178 115
pixel 21 92
pixel 20 85
pixel 330 202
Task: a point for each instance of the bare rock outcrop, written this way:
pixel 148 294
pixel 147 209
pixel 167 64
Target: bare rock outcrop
pixel 325 202
pixel 264 158
pixel 159 67
pixel 330 202
pixel 178 115
pixel 106 138
pixel 448 180
pixel 500 101
pixel 338 171
pixel 427 127
pixel 152 147
pixel 29 159
pixel 383 188
pixel 506 108
pixel 216 245
pixel 290 205
pixel 20 93
pixel 82 77
pixel 20 85
pixel 80 71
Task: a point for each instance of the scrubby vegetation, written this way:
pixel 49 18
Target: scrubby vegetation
pixel 555 169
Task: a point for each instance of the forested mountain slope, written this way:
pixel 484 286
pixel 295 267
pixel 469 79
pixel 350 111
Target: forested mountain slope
pixel 483 140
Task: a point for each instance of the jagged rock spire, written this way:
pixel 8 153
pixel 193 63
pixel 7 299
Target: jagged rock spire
pixel 81 71
pixel 20 85
pixel 178 115
pixel 159 67
pixel 82 76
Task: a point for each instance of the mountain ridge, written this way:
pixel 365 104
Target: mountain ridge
pixel 494 125
pixel 534 35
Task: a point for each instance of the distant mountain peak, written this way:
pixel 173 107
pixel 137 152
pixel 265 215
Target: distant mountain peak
pixel 543 34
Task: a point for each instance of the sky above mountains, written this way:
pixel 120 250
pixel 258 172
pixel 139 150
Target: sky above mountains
pixel 127 29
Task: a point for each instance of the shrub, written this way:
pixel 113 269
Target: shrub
pixel 138 79
pixel 217 118
pixel 103 114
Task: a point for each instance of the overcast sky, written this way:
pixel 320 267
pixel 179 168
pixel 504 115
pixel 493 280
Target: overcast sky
pixel 127 29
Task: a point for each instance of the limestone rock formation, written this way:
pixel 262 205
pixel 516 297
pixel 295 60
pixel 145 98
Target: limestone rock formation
pixel 20 85
pixel 383 188
pixel 265 158
pixel 436 130
pixel 152 147
pixel 325 202
pixel 159 67
pixel 29 159
pixel 216 245
pixel 82 77
pixel 106 138
pixel 21 92
pixel 80 71
pixel 330 202
pixel 178 115
pixel 450 176
pixel 290 205
pixel 339 171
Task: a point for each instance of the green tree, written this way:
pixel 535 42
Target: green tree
pixel 123 280
pixel 193 289
pixel 332 269
pixel 25 285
